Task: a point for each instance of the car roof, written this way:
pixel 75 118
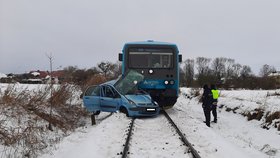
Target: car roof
pixel 111 83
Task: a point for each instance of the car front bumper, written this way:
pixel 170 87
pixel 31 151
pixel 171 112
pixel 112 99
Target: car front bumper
pixel 143 111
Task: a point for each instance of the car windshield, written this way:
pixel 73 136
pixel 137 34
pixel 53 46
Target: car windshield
pixel 129 83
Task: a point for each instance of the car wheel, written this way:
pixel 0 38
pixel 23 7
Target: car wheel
pixel 123 110
pixel 97 112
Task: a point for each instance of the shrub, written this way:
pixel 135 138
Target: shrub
pixel 25 116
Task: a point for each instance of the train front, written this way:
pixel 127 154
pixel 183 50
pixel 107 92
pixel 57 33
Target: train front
pixel 159 63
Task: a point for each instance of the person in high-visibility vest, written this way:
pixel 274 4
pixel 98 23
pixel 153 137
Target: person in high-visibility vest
pixel 215 94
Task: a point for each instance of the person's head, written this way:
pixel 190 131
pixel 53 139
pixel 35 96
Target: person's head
pixel 213 86
pixel 205 86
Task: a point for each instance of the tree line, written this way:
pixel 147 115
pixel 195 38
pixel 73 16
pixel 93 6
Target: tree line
pixel 224 72
pixel 100 73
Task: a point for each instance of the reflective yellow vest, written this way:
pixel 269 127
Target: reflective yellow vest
pixel 215 93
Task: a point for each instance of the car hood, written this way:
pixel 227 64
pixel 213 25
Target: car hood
pixel 140 99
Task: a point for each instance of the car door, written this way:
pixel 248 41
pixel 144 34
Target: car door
pixel 110 99
pixel 91 98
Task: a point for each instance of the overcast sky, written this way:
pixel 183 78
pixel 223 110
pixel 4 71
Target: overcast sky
pixel 85 32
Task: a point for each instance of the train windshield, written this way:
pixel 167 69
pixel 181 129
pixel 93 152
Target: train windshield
pixel 150 58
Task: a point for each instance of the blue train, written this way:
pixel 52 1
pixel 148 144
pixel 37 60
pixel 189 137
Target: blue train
pixel 159 63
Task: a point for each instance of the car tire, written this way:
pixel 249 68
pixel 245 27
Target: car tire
pixel 97 112
pixel 123 110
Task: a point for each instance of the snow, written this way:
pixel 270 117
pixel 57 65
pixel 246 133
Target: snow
pixel 233 136
pixel 2 75
pixel 103 140
pixel 35 73
pixel 154 137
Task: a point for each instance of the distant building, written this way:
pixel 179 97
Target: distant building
pixel 44 76
pixel 6 78
pixel 33 77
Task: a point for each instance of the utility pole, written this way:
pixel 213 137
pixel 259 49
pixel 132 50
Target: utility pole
pixel 50 57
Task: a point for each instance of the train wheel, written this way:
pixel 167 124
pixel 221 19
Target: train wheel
pixel 166 102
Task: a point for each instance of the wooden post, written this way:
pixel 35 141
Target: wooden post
pixel 93 119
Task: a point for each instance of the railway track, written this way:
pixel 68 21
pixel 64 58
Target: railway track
pixel 183 138
pixel 188 147
pixel 126 145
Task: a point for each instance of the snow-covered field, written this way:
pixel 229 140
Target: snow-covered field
pixel 233 135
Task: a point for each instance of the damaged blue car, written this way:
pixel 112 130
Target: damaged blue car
pixel 121 95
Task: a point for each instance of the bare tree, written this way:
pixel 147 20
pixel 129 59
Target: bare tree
pixel 246 71
pixel 117 71
pixel 236 71
pixel 218 67
pixel 266 70
pixel 106 67
pixel 202 65
pixel 189 71
pixel 229 67
pixel 69 73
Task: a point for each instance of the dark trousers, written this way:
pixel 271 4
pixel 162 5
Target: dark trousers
pixel 207 113
pixel 214 112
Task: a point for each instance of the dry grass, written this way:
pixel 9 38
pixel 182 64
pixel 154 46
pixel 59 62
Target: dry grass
pixel 273 116
pixel 25 116
pixel 257 114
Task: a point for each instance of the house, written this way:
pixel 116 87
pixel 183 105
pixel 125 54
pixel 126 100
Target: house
pixel 33 77
pixel 44 76
pixel 6 78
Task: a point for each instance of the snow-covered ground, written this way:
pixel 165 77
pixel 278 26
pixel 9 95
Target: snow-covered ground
pixel 102 140
pixel 233 136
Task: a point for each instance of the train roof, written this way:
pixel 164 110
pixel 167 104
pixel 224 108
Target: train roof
pixel 150 42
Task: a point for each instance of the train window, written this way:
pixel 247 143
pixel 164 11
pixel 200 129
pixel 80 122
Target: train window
pixel 139 59
pixel 161 60
pixel 150 58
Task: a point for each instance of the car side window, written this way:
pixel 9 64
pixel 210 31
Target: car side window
pixel 108 92
pixel 93 91
pixel 116 94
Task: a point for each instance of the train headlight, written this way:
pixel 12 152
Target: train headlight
pixel 171 82
pixel 166 82
pixel 151 71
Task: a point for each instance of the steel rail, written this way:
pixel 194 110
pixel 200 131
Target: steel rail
pixel 126 146
pixel 183 138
